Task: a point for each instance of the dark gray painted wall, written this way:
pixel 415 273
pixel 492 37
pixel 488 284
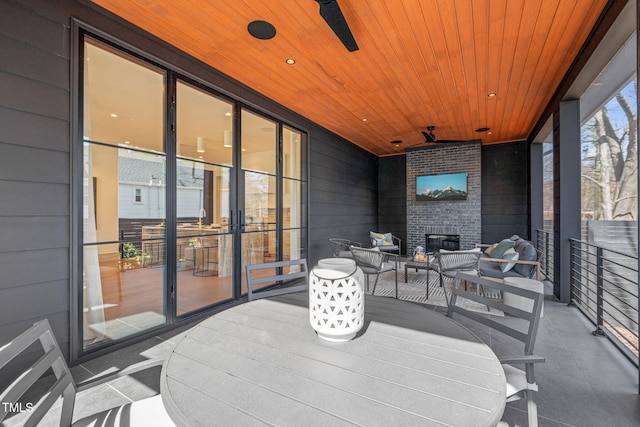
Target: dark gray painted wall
pixel 344 202
pixel 505 191
pixel 35 160
pixel 34 170
pixel 392 197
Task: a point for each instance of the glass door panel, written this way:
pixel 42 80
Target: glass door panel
pixel 259 143
pixel 259 231
pixel 274 175
pixel 204 126
pixel 294 190
pixel 293 218
pixel 204 243
pixel 124 179
pixel 258 220
pixel 293 154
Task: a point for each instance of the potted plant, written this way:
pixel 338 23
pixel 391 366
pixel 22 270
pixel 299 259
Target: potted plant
pixel 131 257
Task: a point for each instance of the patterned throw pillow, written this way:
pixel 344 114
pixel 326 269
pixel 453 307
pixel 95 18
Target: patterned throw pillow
pixel 510 254
pixel 502 247
pixel 381 239
pixel 490 249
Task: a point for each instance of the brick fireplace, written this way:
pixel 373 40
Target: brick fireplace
pixel 463 215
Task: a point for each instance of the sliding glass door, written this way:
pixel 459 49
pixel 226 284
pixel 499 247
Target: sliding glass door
pixel 182 187
pixel 273 219
pixel 124 180
pixel 203 236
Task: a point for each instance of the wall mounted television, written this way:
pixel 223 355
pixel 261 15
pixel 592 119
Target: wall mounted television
pixel 445 187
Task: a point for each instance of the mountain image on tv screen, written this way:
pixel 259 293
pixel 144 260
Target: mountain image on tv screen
pixel 452 186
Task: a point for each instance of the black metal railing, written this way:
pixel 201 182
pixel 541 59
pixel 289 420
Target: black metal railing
pixel 604 286
pixel 545 245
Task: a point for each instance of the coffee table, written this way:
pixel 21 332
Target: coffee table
pixel 419 265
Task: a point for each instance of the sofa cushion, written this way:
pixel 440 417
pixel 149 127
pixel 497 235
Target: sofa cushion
pixel 492 269
pixel 526 252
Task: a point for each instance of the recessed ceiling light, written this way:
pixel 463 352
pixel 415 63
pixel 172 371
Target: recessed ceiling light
pixel 482 129
pixel 113 115
pixel 365 119
pixel 262 30
pixel 491 95
pixel 127 142
pixel 396 142
pixel 290 61
pixel 489 133
pixel 227 114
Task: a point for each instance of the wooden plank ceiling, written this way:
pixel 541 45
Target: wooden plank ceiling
pixel 419 63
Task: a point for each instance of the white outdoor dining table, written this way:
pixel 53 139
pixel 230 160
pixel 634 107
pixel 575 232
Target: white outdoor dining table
pixel 261 363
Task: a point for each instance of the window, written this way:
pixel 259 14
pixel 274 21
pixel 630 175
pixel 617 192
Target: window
pixel 138 195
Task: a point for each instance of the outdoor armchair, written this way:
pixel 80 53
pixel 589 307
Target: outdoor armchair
pixel 277 278
pixel 386 242
pixel 340 247
pixel 521 384
pixel 449 263
pixel 372 261
pixel 51 370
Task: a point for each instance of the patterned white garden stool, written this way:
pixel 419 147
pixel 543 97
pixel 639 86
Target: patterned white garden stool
pixel 336 299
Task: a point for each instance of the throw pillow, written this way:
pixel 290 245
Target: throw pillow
pixel 381 239
pixel 490 249
pixel 501 248
pixel 509 254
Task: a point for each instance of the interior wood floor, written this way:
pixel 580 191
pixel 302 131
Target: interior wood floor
pixel 139 290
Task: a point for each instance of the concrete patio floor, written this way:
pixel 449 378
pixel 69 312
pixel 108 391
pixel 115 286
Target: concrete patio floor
pixel 584 382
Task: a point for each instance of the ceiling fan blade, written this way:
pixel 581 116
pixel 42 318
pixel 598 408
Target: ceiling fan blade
pixel 429 137
pixel 331 13
pixel 454 141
